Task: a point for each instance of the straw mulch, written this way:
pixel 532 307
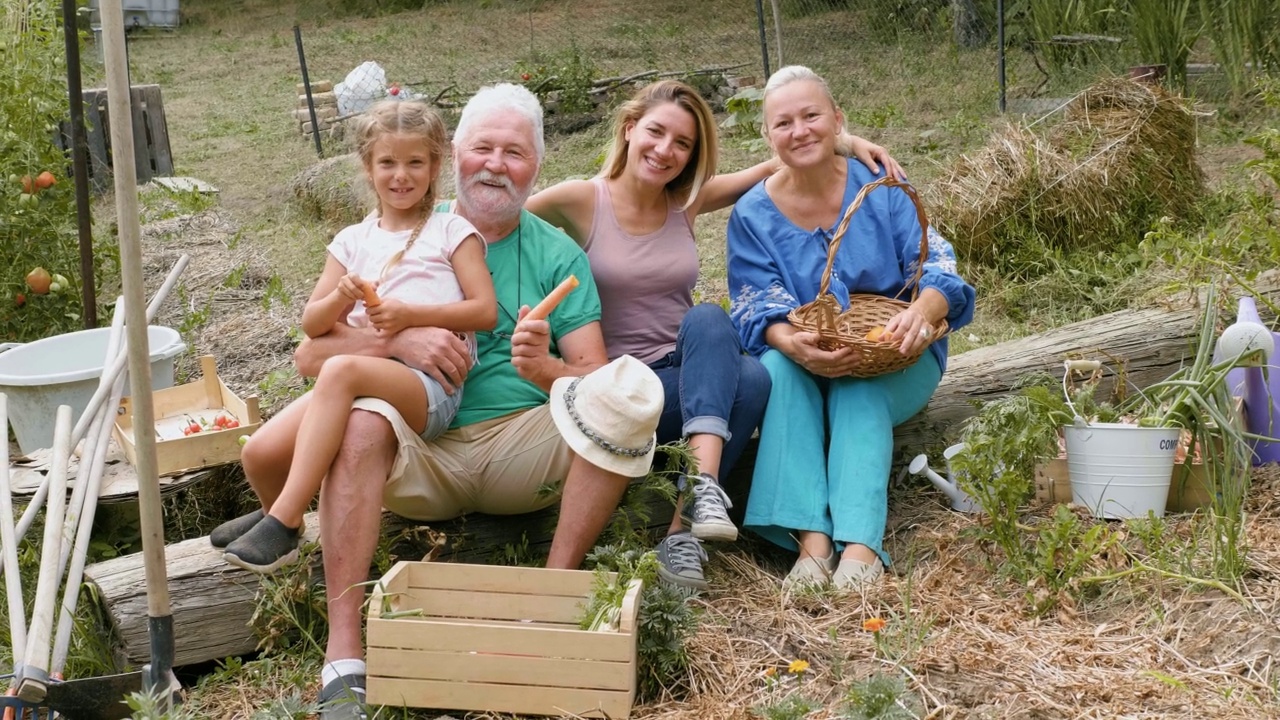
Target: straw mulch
pixel 1097 172
pixel 225 284
pixel 965 646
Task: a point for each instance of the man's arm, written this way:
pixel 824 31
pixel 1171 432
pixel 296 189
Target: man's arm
pixel 581 350
pixel 436 352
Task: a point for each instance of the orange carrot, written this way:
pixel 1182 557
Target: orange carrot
pixel 549 303
pixel 371 298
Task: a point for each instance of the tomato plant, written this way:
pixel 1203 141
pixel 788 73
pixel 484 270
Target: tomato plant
pixel 37 201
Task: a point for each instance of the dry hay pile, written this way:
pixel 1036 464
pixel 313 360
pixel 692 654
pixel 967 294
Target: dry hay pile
pixel 1121 155
pixel 331 191
pixel 220 296
pixel 962 641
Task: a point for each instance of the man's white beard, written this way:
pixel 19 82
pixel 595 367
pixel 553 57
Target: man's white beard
pixel 488 203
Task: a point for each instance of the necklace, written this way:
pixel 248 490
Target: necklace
pixel 519 288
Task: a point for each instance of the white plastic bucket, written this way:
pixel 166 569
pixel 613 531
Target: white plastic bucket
pixel 1120 471
pixel 64 370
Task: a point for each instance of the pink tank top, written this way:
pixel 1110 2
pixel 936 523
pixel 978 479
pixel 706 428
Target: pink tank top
pixel 645 281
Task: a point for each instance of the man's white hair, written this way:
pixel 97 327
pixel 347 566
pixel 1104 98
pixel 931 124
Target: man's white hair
pixel 503 97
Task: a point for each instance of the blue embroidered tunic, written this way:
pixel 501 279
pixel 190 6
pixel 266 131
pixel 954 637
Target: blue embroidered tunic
pixel 776 266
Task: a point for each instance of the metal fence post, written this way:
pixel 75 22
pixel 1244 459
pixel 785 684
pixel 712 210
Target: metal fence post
pixel 306 84
pixel 1000 43
pixel 764 42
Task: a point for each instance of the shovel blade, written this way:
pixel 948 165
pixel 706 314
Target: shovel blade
pixel 100 698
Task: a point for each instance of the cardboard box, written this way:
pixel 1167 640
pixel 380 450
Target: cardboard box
pixel 176 408
pixel 453 636
pixel 1188 490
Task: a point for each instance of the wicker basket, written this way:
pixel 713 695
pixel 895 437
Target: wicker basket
pixel 838 329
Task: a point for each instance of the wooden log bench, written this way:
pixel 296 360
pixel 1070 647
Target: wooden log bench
pixel 212 601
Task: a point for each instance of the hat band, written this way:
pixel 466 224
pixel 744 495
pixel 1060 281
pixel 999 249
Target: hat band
pixel 570 394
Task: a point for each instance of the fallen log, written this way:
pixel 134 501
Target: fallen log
pixel 213 601
pixel 1150 343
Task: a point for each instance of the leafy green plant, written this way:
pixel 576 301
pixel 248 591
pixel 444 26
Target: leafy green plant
pixel 1002 443
pixel 1165 31
pixel 881 697
pixel 667 616
pixel 744 115
pixel 291 607
pixel 37 221
pixel 563 81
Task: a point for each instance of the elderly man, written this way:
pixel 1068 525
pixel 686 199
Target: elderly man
pixel 504 444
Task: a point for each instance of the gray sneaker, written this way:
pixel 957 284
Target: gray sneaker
pixel 343 699
pixel 707 511
pixel 680 558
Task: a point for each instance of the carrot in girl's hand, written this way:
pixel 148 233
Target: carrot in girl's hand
pixel 371 298
pixel 549 303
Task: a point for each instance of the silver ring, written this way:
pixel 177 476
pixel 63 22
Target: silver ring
pixel 926 332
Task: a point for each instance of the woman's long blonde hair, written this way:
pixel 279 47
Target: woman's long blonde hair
pixel 702 161
pixel 403 117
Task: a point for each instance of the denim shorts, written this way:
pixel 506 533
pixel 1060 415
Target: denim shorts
pixel 441 406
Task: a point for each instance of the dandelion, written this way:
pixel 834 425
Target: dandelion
pixel 798 667
pixel 771 672
pixel 873 625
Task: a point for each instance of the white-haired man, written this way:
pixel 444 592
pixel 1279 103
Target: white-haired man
pixel 504 444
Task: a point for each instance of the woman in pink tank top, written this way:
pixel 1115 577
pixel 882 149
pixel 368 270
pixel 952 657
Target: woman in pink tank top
pixel 635 220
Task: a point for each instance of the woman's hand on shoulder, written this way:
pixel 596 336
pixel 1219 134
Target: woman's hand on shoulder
pixel 806 353
pixel 569 205
pixel 870 154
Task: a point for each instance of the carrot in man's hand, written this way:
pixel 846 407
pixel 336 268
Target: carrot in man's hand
pixel 549 303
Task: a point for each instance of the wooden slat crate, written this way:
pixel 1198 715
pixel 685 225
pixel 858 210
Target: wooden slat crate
pixel 151 153
pixel 1188 491
pixel 174 409
pixel 497 639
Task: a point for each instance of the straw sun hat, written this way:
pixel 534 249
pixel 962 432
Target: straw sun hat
pixel 610 416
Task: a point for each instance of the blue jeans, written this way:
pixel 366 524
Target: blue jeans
pixel 826 447
pixel 711 387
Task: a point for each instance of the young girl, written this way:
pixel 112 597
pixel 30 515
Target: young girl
pixel 635 220
pixel 431 272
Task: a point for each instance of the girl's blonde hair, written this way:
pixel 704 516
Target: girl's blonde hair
pixel 702 161
pixel 794 73
pixel 403 117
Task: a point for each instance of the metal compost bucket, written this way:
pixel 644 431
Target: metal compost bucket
pixel 1120 471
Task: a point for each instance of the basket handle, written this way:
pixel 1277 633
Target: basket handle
pixel 834 245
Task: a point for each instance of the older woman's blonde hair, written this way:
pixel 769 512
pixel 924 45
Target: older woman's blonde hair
pixel 794 73
pixel 702 161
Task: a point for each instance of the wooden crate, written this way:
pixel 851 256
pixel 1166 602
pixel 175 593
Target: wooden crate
pixel 1188 491
pixel 175 407
pixel 497 639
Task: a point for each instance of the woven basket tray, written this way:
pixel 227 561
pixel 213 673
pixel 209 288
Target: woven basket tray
pixel 838 329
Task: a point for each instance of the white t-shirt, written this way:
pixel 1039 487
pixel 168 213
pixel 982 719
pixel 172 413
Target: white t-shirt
pixel 424 276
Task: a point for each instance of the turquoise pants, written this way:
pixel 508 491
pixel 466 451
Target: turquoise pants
pixel 806 481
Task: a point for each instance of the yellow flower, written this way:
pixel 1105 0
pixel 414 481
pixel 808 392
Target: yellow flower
pixel 797 667
pixel 873 624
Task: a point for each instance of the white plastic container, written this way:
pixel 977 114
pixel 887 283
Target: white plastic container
pixel 64 370
pixel 1120 471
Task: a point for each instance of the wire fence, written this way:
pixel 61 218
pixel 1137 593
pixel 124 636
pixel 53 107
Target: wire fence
pixel 893 64
pixel 578 56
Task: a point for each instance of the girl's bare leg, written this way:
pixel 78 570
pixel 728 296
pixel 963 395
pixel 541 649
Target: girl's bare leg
pixel 342 379
pixel 267 455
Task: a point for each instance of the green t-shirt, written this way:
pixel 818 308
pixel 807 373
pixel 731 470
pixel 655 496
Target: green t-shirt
pixel 526 265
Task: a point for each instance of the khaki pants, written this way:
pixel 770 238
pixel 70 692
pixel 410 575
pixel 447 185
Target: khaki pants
pixel 509 465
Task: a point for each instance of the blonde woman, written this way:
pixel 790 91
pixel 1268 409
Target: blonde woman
pixel 635 220
pixel 826 442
